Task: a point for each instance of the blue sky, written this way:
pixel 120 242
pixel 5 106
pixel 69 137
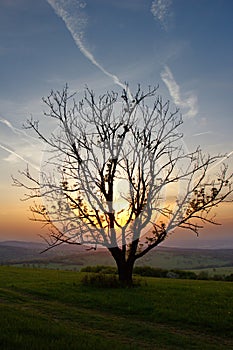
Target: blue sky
pixel 185 46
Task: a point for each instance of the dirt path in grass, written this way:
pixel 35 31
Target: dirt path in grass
pixel 128 329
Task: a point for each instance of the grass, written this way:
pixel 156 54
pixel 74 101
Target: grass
pixel 49 309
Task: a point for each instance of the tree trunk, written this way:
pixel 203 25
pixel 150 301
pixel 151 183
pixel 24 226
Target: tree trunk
pixel 125 267
pixel 125 273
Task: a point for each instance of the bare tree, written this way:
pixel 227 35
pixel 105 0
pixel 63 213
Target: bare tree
pixel 117 175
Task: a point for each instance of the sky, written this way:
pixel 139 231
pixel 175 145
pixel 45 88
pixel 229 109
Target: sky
pixel 185 46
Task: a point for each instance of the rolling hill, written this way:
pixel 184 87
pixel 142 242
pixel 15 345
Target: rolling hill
pixel 68 256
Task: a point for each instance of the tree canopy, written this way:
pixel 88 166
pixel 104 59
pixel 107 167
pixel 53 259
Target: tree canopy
pixel 116 174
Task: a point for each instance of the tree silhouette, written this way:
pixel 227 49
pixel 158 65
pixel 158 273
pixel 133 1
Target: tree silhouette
pixel 117 175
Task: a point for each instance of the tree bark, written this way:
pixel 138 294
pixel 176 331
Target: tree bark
pixel 125 273
pixel 124 267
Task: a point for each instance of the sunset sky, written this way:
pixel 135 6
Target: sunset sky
pixel 185 46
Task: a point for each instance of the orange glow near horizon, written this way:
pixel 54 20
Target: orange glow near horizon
pixel 15 214
pixel 15 223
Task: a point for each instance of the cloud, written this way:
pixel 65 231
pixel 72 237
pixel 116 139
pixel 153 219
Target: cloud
pixel 19 132
pixel 203 133
pixel 71 12
pixel 187 102
pixel 221 160
pixel 160 9
pixel 26 148
pixel 10 126
pixel 6 122
pixel 14 156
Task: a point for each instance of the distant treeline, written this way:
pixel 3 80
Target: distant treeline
pixel 149 271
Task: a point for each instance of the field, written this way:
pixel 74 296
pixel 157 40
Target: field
pixel 76 257
pixel 220 271
pixel 49 309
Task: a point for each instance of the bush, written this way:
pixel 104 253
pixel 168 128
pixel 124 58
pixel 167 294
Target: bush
pixel 158 272
pixel 106 281
pixel 203 275
pixel 100 280
pixel 149 271
pixel 100 268
pixel 185 274
pixel 172 274
pixel 218 278
pixel 229 278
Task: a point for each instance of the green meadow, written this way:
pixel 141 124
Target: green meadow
pixel 51 309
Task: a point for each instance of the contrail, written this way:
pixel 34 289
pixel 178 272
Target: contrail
pixel 222 160
pixel 202 133
pixel 10 126
pixel 188 100
pixel 18 131
pixel 19 156
pixel 75 22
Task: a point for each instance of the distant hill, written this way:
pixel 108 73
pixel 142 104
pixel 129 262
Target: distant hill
pixel 19 252
pixel 40 246
pixel 12 252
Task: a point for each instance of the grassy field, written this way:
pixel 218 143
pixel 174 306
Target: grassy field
pixel 75 258
pixel 49 309
pixel 221 271
pixel 188 259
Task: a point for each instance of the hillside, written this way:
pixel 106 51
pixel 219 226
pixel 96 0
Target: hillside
pixel 17 252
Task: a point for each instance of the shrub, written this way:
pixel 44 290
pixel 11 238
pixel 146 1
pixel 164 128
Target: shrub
pixel 149 271
pixel 185 274
pixel 218 277
pixel 100 268
pixel 229 278
pixel 100 280
pixel 172 274
pixel 203 275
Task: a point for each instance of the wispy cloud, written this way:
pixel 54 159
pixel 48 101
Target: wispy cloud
pixel 72 13
pixel 26 147
pixel 221 160
pixel 203 133
pixel 186 101
pixel 10 126
pixel 160 9
pixel 19 132
pixel 14 156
